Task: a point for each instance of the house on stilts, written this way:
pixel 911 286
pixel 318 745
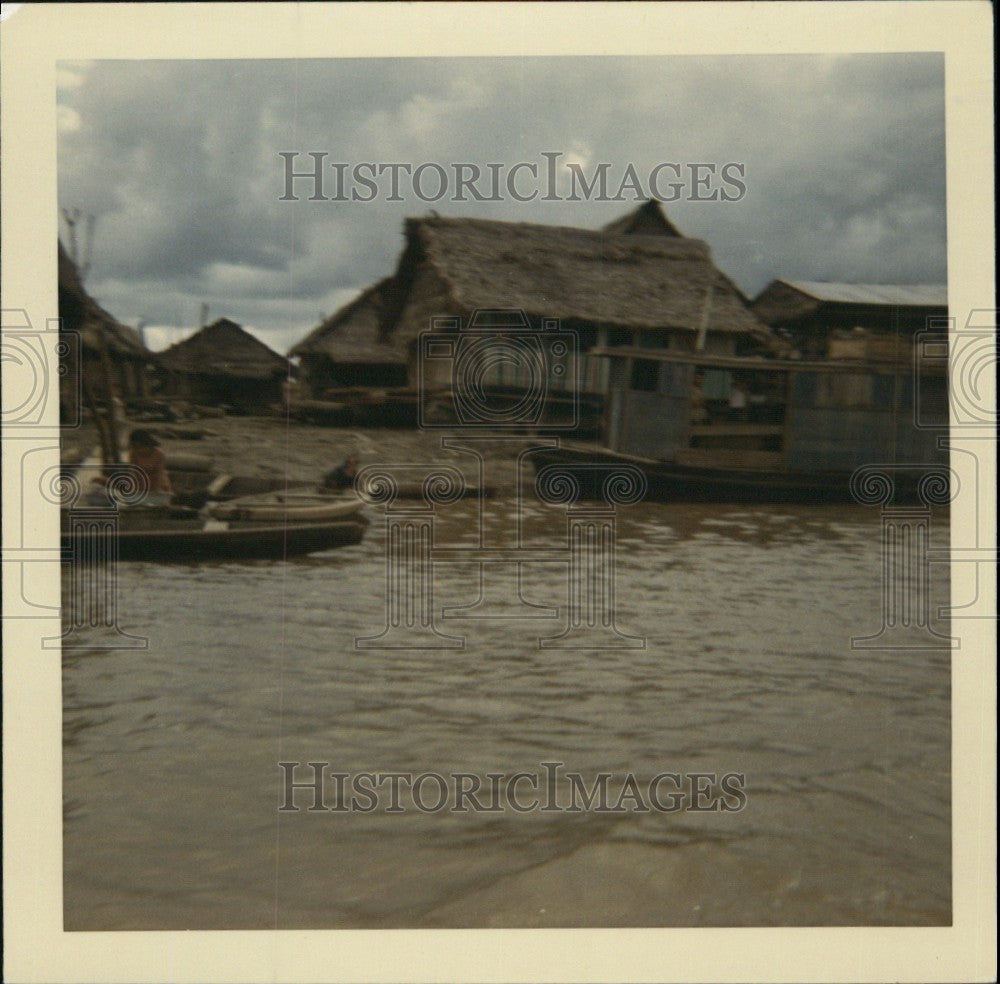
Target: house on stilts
pixel 637 282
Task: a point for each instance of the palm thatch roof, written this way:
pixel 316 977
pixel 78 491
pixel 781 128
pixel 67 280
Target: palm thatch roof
pixel 636 272
pixel 354 334
pixel 223 348
pixel 82 314
pixel 633 281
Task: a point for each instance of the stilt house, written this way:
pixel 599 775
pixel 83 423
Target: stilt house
pixel 637 282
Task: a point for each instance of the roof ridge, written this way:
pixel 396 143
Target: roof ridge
pixel 601 233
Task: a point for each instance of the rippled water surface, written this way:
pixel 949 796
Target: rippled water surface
pixel 172 783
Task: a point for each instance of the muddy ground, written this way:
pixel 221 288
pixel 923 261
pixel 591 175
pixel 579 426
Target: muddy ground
pixel 274 447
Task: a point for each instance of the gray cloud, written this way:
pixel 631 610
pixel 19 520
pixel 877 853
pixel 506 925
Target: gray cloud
pixel 844 160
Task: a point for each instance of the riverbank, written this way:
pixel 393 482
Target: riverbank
pixel 272 447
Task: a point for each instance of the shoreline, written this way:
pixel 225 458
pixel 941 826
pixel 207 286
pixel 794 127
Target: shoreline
pixel 272 447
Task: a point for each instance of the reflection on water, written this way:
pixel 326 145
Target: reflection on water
pixel 172 784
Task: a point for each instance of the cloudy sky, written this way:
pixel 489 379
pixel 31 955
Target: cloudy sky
pixel 843 164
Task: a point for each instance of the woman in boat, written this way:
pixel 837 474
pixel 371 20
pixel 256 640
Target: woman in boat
pixel 144 450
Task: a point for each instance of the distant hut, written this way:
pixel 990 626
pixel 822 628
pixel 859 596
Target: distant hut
pixel 851 321
pixel 223 365
pixel 112 355
pixel 351 349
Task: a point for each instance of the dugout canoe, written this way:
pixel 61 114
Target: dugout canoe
pixel 192 540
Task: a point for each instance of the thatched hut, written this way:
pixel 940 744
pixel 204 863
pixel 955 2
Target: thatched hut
pixel 636 282
pixel 112 355
pixel 851 321
pixel 352 349
pixel 223 366
pixel 608 287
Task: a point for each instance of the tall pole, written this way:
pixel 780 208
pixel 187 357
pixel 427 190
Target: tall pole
pixel 706 315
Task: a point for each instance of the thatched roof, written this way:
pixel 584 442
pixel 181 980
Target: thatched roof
pixel 634 281
pixel 223 348
pixel 81 313
pixel 648 219
pixel 353 334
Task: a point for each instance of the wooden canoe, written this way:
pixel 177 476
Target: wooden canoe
pixel 193 541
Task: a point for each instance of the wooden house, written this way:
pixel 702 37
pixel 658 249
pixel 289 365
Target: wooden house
pixel 620 288
pixel 784 424
pixel 636 282
pixel 222 365
pixel 872 322
pixel 112 357
pixel 657 291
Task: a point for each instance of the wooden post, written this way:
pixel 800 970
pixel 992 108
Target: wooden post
pixel 706 314
pixel 109 397
pixel 103 435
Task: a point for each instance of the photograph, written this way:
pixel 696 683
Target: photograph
pixel 487 488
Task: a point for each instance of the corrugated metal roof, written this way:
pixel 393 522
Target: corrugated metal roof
pixel 902 295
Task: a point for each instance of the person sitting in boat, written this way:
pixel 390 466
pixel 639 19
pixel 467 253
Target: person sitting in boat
pixel 144 450
pixel 342 477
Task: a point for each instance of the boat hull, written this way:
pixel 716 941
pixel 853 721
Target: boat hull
pixel 669 482
pixel 190 542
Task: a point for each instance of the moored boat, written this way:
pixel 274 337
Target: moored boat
pixel 800 430
pixel 668 481
pixel 178 536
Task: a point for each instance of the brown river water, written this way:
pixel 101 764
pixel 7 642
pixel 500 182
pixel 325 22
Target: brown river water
pixel 172 784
